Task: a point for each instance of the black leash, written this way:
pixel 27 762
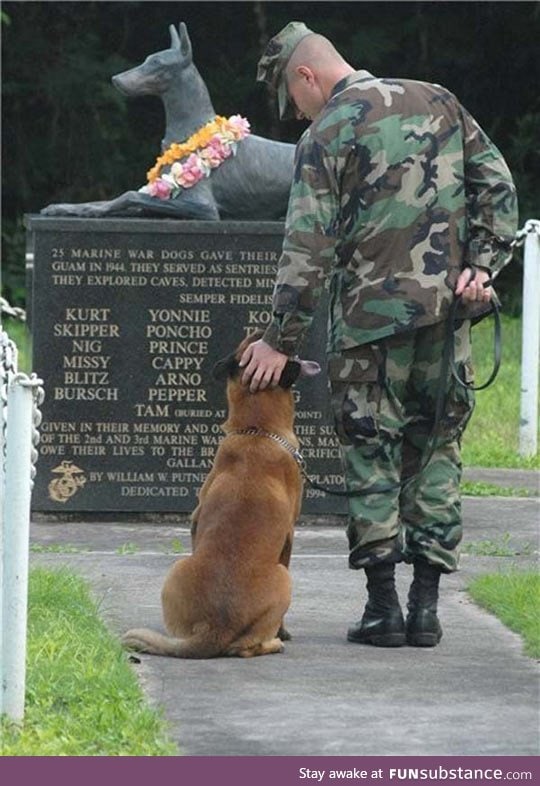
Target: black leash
pixel 497 345
pixel 448 366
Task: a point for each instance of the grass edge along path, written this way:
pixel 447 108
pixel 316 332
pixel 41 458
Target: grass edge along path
pixel 82 698
pixel 514 598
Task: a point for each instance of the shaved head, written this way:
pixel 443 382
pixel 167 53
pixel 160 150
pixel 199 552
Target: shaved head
pixel 316 52
pixel 313 69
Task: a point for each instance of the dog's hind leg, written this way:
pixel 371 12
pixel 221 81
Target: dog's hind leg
pixel 285 556
pixel 262 648
pixel 258 637
pixel 284 560
pixel 283 634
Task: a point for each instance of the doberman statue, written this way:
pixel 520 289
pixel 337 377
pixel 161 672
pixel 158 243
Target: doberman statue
pixel 254 184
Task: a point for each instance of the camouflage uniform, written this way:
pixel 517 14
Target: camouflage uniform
pixel 396 189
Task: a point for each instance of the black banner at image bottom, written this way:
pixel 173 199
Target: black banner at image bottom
pixel 268 771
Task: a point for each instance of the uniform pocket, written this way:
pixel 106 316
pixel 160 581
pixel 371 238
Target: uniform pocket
pixel 355 394
pixel 460 402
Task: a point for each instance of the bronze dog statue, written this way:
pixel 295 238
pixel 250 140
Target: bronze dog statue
pixel 230 596
pixel 253 184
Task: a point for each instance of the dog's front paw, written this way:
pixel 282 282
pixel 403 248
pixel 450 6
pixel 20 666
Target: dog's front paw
pixel 76 210
pixel 55 210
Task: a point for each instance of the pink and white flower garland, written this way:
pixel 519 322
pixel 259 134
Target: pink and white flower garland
pixel 207 149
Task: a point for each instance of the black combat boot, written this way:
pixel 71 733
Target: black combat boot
pixel 382 623
pixel 423 627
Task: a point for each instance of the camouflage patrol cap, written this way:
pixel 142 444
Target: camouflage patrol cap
pixel 271 67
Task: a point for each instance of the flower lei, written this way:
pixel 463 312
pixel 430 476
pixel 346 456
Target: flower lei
pixel 205 150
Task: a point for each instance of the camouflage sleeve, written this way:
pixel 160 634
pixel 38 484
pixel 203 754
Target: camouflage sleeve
pixel 491 199
pixel 308 247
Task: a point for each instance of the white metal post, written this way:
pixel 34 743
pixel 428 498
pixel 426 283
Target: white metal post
pixel 530 343
pixel 8 369
pixel 16 537
pixel 3 405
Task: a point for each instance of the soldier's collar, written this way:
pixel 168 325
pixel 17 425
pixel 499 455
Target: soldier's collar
pixel 347 81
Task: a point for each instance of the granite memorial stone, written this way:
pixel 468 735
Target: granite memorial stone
pixel 128 317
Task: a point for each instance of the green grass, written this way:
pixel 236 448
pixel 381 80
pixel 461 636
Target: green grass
pixel 514 598
pixel 128 548
pixel 481 489
pixel 496 548
pixel 55 548
pixel 492 437
pixel 18 332
pixel 176 547
pixel 82 697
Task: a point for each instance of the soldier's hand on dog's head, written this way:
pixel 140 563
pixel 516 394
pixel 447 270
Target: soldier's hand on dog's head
pixel 266 367
pixel 262 366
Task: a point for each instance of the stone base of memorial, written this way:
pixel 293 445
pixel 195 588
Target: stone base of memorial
pixel 128 317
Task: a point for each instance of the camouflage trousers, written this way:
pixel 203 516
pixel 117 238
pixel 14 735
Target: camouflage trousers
pixel 383 401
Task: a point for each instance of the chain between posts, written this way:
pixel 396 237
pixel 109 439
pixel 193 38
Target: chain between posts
pixel 33 381
pixel 532 225
pixel 12 311
pixel 8 369
pixel 11 376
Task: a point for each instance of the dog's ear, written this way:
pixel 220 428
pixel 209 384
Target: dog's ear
pixel 225 368
pixel 183 43
pixel 290 374
pixel 298 368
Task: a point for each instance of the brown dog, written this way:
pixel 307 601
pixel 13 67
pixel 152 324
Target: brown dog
pixel 230 596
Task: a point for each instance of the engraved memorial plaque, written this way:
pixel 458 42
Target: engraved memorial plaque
pixel 128 317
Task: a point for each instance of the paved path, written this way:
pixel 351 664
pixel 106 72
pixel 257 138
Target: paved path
pixel 475 694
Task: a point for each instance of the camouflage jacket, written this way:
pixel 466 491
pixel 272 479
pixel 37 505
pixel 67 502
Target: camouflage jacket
pixel 396 188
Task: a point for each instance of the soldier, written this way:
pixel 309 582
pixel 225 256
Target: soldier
pixel 401 201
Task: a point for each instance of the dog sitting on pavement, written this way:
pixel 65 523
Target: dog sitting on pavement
pixel 230 596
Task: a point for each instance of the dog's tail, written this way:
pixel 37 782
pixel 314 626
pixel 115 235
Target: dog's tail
pixel 202 644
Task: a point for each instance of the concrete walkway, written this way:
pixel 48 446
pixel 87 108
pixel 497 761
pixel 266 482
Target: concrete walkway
pixel 475 694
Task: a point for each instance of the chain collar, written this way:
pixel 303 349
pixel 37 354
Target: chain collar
pixel 253 431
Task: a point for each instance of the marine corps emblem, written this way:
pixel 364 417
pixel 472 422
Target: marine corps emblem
pixel 70 481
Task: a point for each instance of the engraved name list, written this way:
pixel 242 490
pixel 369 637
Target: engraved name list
pixel 128 318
